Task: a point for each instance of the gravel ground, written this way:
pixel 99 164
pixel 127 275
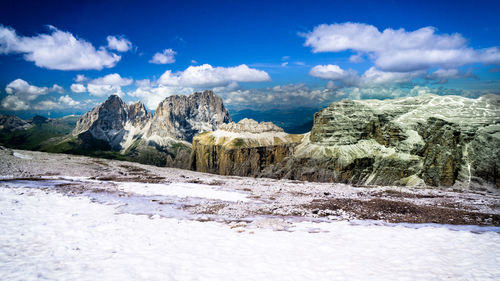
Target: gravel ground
pixel 101 178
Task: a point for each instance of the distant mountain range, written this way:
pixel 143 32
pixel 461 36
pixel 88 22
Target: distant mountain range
pixel 292 121
pixel 427 140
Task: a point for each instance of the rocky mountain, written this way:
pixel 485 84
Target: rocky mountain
pixel 244 148
pixel 34 133
pixel 424 140
pixel 182 117
pixel 162 139
pixel 10 123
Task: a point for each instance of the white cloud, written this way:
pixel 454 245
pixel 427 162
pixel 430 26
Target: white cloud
pixel 64 102
pixel 68 101
pixel 399 50
pixel 24 90
pixel 57 89
pixel 152 96
pixel 120 44
pixel 80 78
pixel 23 96
pixel 14 103
pixel 207 76
pixel 113 79
pixel 58 50
pixel 281 96
pixel 108 85
pixel 356 58
pixel 370 78
pixel 335 73
pixel 165 57
pixel 78 88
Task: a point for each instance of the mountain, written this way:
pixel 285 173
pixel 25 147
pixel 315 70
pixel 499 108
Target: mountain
pixel 117 130
pixel 182 117
pixel 34 133
pixel 292 121
pixel 242 148
pixel 10 123
pixel 424 140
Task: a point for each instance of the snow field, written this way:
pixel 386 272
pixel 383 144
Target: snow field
pixel 49 236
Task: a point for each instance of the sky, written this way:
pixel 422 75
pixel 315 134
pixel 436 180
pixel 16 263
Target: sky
pixel 65 57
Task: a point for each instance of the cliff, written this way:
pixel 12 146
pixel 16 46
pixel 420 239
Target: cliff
pixel 244 148
pixel 424 140
pixel 131 131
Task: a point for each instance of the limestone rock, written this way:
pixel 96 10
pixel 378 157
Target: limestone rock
pixel 424 140
pixel 182 117
pixel 161 139
pixel 10 123
pixel 244 148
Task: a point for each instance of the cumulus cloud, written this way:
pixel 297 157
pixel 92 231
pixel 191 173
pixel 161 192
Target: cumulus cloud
pixel 151 96
pixel 335 73
pixel 207 76
pixel 281 96
pixel 58 50
pixel 108 85
pixel 12 102
pixel 57 89
pixel 375 77
pixel 399 50
pixel 80 78
pixel 120 44
pixel 23 96
pixel 78 88
pixel 24 91
pixel 63 102
pixel 165 57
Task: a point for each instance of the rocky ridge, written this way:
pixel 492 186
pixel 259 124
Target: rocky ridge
pixel 10 123
pixel 244 148
pixel 424 140
pixel 132 130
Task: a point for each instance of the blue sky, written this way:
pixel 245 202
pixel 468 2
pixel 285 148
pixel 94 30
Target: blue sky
pixel 254 54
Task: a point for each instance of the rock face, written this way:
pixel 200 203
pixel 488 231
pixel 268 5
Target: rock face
pixel 182 117
pixel 424 140
pixel 132 130
pixel 244 148
pixel 105 123
pixel 10 123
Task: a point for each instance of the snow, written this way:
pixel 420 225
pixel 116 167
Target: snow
pixel 45 235
pixel 22 156
pixel 182 190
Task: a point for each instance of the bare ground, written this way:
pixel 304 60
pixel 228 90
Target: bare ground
pixel 277 198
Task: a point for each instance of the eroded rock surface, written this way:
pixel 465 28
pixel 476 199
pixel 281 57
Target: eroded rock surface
pixel 244 148
pixel 163 139
pixel 424 140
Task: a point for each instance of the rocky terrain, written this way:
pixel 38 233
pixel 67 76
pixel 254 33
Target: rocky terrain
pixel 281 199
pixel 88 218
pixel 135 134
pixel 10 123
pixel 243 149
pixel 424 140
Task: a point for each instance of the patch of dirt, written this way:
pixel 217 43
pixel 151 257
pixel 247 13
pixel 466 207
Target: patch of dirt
pixel 143 179
pixel 24 179
pixel 76 189
pixel 402 194
pixel 397 211
pixel 213 209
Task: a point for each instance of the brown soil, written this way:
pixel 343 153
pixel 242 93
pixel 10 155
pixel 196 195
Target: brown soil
pixel 396 211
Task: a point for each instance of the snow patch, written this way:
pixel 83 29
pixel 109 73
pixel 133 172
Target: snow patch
pixel 22 156
pixel 182 190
